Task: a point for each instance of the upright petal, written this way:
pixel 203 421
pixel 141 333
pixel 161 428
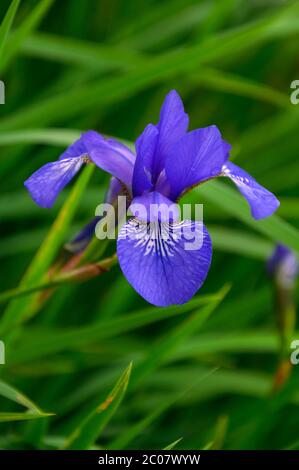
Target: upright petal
pixel 173 124
pixel 165 263
pixel 145 154
pixel 110 156
pixel 262 202
pixel 47 182
pixel 198 156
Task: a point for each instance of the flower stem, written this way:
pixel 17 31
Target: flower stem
pixel 81 274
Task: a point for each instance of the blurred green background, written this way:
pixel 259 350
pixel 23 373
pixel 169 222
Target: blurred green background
pixel 202 373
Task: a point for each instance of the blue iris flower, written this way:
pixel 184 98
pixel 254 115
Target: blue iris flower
pixel 169 160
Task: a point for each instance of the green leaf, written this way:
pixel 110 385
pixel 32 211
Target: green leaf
pixel 240 242
pixel 86 434
pixel 163 349
pixel 184 18
pixel 7 417
pixel 82 274
pixel 231 83
pixel 15 395
pixel 78 52
pixel 230 201
pixel 59 137
pixel 29 24
pixel 108 91
pixel 264 342
pixel 64 339
pixel 122 441
pixel 173 444
pixel 18 310
pixel 6 24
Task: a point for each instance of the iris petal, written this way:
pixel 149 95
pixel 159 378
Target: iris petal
pixel 145 154
pixel 76 149
pixel 47 182
pixel 173 125
pixel 159 263
pixel 153 206
pixel 110 156
pixel 196 157
pixel 262 202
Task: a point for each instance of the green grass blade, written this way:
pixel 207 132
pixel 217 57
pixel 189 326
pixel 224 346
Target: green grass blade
pixel 137 429
pixel 78 52
pixel 231 83
pixel 240 242
pixel 165 348
pixel 59 137
pixel 173 444
pixel 8 417
pixel 231 202
pixel 11 393
pixel 17 310
pixel 69 338
pixel 15 395
pixel 76 275
pixel 238 342
pixel 29 24
pixel 6 24
pixel 85 435
pixel 161 32
pixel 109 91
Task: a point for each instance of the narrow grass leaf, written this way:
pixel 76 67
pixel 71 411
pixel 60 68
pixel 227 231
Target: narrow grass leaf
pixel 165 66
pixel 165 348
pixel 7 417
pixel 11 393
pixel 86 434
pixel 216 79
pixel 231 202
pixel 29 24
pixel 173 444
pixel 7 23
pixel 17 310
pixel 66 339
pixel 78 52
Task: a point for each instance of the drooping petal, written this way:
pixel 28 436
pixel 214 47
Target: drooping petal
pixel 47 182
pixel 165 263
pixel 226 149
pixel 262 202
pixel 77 148
pixel 153 207
pixel 110 156
pixel 198 156
pixel 173 125
pixel 145 153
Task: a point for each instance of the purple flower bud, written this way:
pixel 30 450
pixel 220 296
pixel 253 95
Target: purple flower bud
pixel 283 265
